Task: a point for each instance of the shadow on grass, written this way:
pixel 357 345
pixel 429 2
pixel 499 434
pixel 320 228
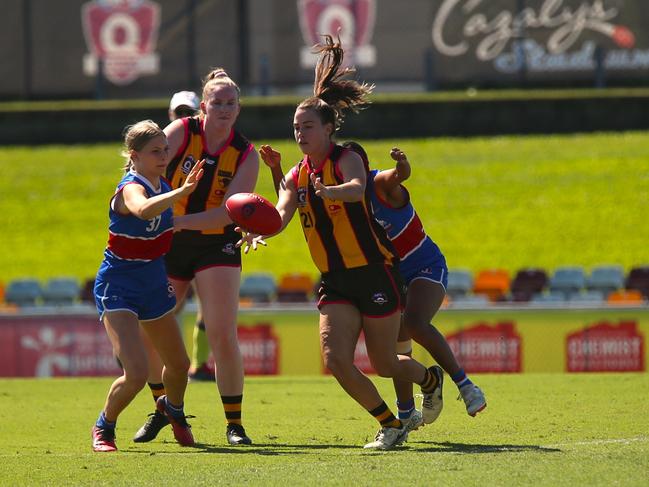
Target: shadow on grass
pixel 450 447
pixel 268 449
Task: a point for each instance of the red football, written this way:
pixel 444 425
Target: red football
pixel 253 213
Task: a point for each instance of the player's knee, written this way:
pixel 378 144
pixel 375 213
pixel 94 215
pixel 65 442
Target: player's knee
pixel 335 362
pixel 180 364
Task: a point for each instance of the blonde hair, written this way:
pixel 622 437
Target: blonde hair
pixel 218 76
pixel 332 94
pixel 138 135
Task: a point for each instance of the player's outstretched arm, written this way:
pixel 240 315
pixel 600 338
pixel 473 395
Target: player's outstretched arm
pixel 387 184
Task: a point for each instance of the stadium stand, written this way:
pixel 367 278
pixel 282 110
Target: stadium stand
pixel 460 283
pixel 527 283
pixel 295 288
pixel 24 292
pixel 589 296
pixel 606 279
pixel 470 300
pixel 568 280
pixel 61 291
pixel 625 297
pixel 493 283
pixel 548 298
pixel 258 288
pixel 638 279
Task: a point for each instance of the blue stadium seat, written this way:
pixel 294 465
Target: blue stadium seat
pixel 568 280
pixel 258 287
pixel 471 301
pixel 460 283
pixel 590 297
pixel 549 298
pixel 61 291
pixel 23 292
pixel 606 279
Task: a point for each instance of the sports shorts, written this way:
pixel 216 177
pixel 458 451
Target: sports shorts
pixel 434 270
pixel 147 303
pixel 376 290
pixel 187 258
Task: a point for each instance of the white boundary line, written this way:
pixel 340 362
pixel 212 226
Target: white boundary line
pixel 600 442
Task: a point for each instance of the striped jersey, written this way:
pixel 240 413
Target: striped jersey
pixel 218 171
pixel 340 235
pixel 133 243
pixel 404 228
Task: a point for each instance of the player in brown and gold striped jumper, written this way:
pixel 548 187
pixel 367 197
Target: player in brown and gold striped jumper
pixel 361 289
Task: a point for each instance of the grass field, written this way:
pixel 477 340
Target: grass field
pixel 507 202
pixel 554 430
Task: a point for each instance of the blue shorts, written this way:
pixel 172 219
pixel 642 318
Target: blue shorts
pixel 145 303
pixel 434 270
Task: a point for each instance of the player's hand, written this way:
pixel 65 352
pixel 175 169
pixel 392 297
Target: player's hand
pixel 398 155
pixel 249 240
pixel 320 189
pixel 193 178
pixel 270 156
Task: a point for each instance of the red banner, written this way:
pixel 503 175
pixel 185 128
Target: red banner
pixel 485 348
pixel 260 349
pixel 605 347
pixel 55 346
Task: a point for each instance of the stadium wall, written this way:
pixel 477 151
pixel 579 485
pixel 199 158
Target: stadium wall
pixel 285 342
pixel 545 112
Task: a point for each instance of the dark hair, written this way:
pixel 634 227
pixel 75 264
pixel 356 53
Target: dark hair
pixel 358 148
pixel 332 94
pixel 183 111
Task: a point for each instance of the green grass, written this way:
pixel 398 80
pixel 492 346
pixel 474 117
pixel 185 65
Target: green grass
pixel 554 430
pixel 507 202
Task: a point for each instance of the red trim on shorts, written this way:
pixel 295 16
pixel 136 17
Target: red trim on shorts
pixel 215 265
pixel 381 316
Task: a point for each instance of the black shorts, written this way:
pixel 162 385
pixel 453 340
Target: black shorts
pixel 189 256
pixel 377 290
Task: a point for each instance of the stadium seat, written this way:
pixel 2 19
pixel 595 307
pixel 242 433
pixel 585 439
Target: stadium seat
pixel 493 283
pixel 295 288
pixel 460 282
pixel 23 292
pixel 590 297
pixel 470 301
pixel 548 298
pixel 61 291
pixel 527 283
pixel 258 288
pixel 638 279
pixel 625 297
pixel 568 280
pixel 606 279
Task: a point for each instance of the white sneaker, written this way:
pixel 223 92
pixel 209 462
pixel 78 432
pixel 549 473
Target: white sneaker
pixel 433 402
pixel 473 399
pixel 387 438
pixel 414 422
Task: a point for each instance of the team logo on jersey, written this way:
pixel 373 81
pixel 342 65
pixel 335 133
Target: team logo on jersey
pixel 352 20
pixel 209 162
pixel 121 36
pixel 380 298
pixel 188 163
pixel 301 196
pixel 225 177
pixel 228 249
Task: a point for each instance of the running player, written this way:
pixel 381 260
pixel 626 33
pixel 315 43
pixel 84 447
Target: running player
pixel 132 287
pixel 208 254
pixel 360 287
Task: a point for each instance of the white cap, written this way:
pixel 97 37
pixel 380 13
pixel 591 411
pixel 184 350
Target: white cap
pixel 186 98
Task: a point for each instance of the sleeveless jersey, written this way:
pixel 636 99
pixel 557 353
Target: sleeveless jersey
pixel 135 244
pixel 218 172
pixel 340 235
pixel 405 230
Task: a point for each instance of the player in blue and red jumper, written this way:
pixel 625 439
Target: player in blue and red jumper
pixel 132 288
pixel 423 268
